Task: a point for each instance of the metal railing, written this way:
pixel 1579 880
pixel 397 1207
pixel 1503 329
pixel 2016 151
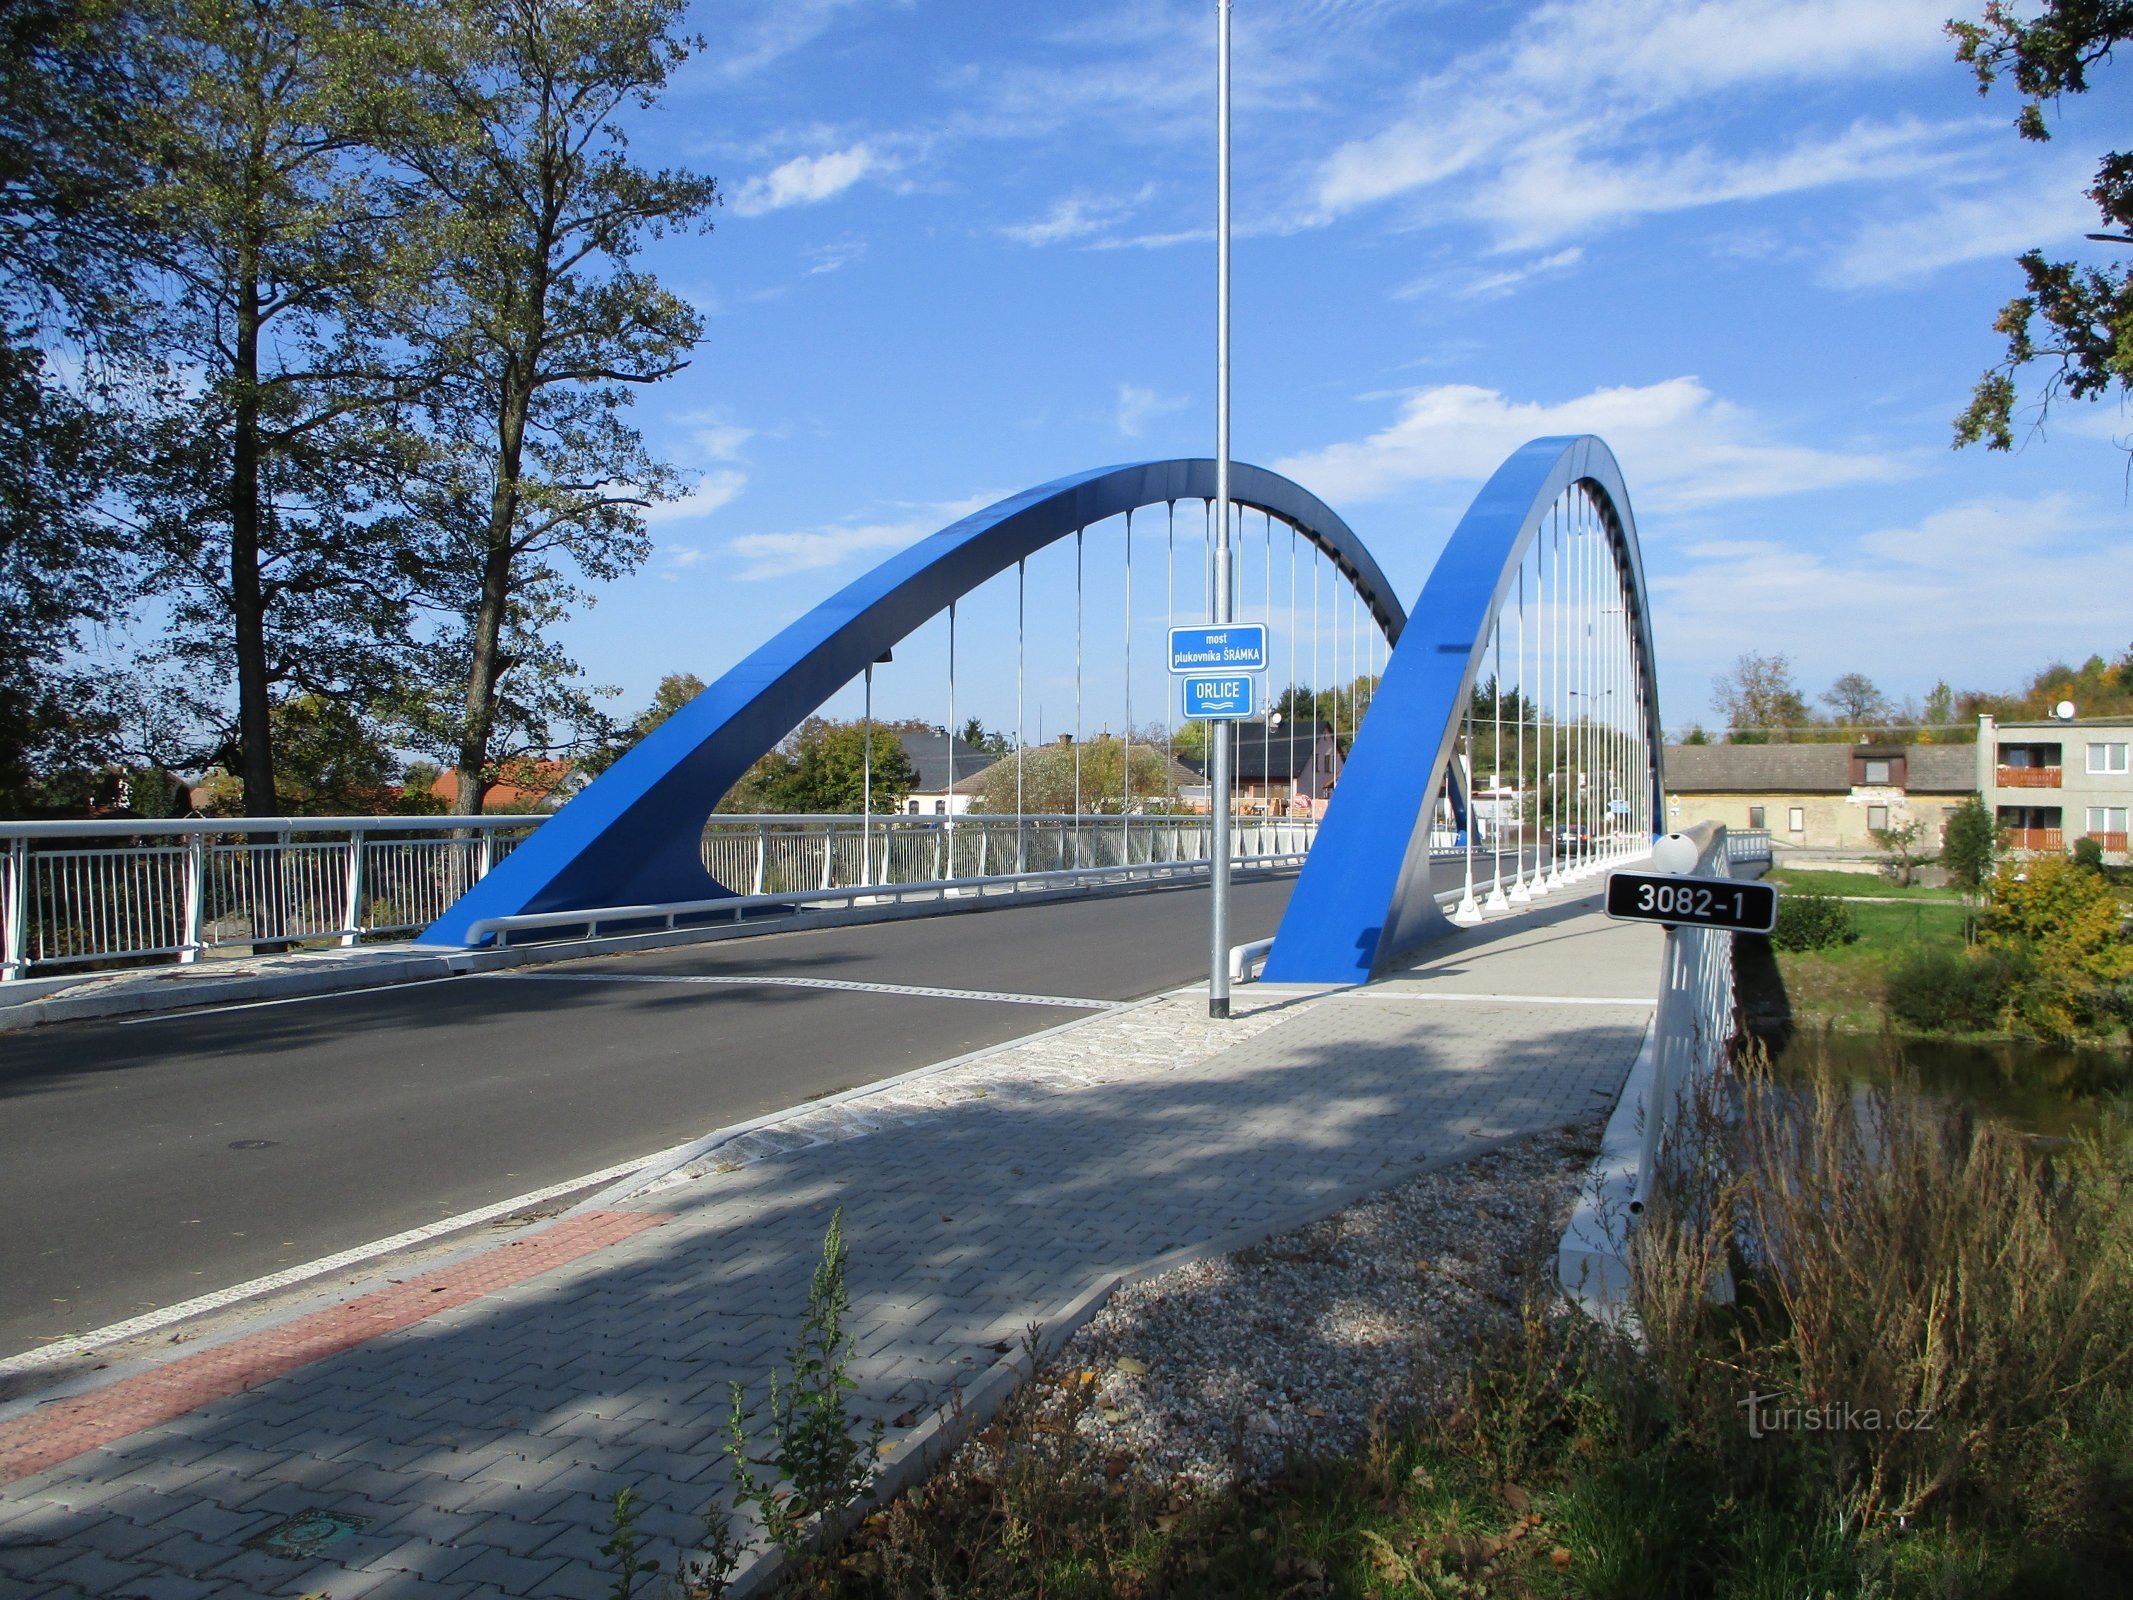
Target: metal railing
pixel 1692 1032
pixel 1748 845
pixel 116 891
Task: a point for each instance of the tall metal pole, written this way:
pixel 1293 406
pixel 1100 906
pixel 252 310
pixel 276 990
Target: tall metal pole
pixel 1218 868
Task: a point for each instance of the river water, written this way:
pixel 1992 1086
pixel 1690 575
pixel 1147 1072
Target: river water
pixel 2046 1089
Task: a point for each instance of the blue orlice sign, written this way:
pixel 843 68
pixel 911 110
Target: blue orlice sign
pixel 1225 699
pixel 1233 647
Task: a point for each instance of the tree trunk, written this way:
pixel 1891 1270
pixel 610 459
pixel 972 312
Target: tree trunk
pixel 247 597
pixel 487 665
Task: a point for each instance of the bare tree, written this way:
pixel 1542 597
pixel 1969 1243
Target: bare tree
pixel 1759 700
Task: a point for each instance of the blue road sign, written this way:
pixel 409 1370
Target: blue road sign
pixel 1218 699
pixel 1233 647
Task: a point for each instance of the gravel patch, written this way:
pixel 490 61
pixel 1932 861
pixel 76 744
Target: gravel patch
pixel 1227 1369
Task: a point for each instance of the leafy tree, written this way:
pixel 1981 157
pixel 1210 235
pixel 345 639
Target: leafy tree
pixel 1696 735
pixel 821 767
pixel 330 760
pixel 259 487
pixel 2078 319
pixel 1939 710
pixel 1760 701
pixel 1969 843
pixel 2059 926
pixel 541 326
pixel 1049 778
pixel 975 734
pixel 675 690
pixel 1855 702
pixel 1899 845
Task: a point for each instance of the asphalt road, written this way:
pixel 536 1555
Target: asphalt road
pixel 144 1163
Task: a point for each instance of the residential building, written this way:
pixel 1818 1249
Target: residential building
pixel 2052 782
pixel 1280 769
pixel 930 757
pixel 524 783
pixel 1818 796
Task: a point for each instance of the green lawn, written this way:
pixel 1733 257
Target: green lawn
pixel 1843 986
pixel 1851 883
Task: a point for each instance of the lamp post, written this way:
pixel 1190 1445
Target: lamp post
pixel 1218 844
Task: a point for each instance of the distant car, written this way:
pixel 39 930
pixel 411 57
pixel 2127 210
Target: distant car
pixel 1573 839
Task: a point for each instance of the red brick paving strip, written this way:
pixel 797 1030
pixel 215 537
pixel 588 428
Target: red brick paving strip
pixel 63 1429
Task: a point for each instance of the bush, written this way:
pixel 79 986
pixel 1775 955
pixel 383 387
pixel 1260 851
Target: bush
pixel 2058 926
pixel 2088 854
pixel 1812 922
pixel 1939 990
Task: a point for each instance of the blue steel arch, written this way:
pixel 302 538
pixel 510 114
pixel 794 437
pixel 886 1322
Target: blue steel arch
pixel 1366 894
pixel 632 837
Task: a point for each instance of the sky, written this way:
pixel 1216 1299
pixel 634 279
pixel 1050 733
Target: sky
pixel 1755 245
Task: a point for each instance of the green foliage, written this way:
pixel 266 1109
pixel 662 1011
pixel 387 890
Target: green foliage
pixel 975 734
pixel 821 767
pixel 1899 842
pixel 1936 989
pixel 1812 922
pixel 675 690
pixel 1759 700
pixel 823 1458
pixel 2076 319
pixel 1968 845
pixel 2088 854
pixel 2059 927
pixel 328 761
pixel 624 1544
pixel 1095 769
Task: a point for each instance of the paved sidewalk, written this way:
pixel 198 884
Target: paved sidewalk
pixel 469 1451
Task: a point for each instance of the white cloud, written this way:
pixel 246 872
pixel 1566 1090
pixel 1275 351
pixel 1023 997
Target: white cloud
pixel 2047 209
pixel 713 490
pixel 715 438
pixel 1564 127
pixel 1975 592
pixel 1076 217
pixel 838 253
pixel 777 555
pixel 1137 407
pixel 806 180
pixel 1679 444
pixel 1462 285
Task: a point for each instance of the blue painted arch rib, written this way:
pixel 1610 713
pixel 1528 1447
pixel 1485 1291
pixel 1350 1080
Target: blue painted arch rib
pixel 632 837
pixel 1366 895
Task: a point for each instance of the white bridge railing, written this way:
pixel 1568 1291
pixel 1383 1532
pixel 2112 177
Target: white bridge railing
pixel 119 891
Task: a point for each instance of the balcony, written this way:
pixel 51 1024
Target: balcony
pixel 2110 843
pixel 2037 838
pixel 2028 777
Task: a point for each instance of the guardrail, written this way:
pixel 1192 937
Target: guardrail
pixel 1748 846
pixel 127 890
pixel 1692 1030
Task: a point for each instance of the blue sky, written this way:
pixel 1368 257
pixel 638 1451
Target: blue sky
pixel 1757 245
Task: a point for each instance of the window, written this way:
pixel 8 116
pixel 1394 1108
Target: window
pixel 1876 772
pixel 2107 758
pixel 2107 819
pixel 940 808
pixel 1755 817
pixel 1877 818
pixel 1796 819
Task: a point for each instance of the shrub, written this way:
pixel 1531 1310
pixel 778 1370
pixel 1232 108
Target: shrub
pixel 2088 854
pixel 1937 989
pixel 1812 922
pixel 2059 927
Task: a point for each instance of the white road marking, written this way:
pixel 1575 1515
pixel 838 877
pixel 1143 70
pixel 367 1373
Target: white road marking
pixel 75 1344
pixel 183 1013
pixel 774 979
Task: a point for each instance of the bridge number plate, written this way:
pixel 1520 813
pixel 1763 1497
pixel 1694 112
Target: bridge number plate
pixel 1737 903
pixel 1217 699
pixel 1234 647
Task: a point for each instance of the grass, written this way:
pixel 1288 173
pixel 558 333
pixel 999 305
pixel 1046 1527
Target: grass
pixel 1929 1261
pixel 1807 881
pixel 1842 987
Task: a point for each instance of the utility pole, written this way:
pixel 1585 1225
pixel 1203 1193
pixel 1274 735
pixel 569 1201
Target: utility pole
pixel 1219 787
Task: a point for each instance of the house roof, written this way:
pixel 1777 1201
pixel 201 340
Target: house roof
pixel 1811 768
pixel 929 755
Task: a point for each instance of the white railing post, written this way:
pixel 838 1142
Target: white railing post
pixel 14 957
pixel 829 853
pixel 762 854
pixel 485 853
pixel 352 902
pixel 194 937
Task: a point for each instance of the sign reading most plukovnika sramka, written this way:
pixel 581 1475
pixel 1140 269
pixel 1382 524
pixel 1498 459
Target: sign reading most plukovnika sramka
pixel 1230 647
pixel 1740 904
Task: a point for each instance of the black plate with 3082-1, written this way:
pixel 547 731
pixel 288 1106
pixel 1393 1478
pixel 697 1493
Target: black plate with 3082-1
pixel 1740 904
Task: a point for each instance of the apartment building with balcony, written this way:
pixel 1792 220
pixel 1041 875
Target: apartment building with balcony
pixel 2049 783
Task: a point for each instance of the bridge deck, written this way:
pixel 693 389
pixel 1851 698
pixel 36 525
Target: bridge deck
pixel 480 1438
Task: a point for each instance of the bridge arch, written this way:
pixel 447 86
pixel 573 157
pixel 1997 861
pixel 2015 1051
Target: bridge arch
pixel 1367 893
pixel 632 836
